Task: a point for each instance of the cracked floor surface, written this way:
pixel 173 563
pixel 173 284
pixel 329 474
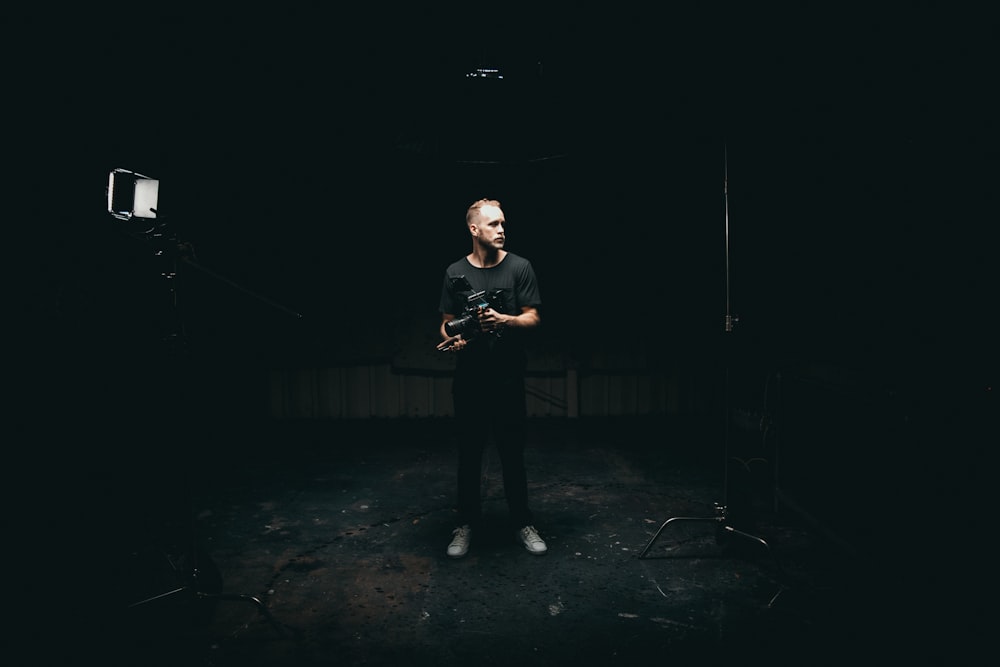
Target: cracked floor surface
pixel 325 544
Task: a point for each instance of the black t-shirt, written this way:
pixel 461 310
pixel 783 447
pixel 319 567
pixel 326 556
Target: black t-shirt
pixel 514 283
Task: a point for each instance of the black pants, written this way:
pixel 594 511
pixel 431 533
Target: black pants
pixel 491 410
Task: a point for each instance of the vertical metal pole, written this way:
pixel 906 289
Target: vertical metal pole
pixel 728 327
pixel 725 194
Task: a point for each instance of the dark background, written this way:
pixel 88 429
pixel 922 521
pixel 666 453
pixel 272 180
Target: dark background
pixel 319 162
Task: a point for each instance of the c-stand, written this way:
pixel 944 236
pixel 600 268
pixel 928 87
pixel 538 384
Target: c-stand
pixel 723 516
pixel 177 575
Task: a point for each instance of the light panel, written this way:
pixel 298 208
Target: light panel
pixel 132 195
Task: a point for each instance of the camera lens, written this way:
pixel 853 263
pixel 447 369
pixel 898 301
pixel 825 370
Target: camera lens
pixel 461 325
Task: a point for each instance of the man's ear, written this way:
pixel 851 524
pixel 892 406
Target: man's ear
pixel 474 229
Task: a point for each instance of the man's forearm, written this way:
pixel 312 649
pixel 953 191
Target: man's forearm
pixel 525 320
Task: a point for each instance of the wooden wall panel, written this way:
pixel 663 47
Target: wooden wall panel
pixel 378 391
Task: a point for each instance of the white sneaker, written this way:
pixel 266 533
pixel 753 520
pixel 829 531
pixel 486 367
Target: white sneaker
pixel 532 541
pixel 460 542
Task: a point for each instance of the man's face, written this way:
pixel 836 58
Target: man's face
pixel 488 228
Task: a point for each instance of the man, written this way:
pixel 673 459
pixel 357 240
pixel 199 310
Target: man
pixel 487 333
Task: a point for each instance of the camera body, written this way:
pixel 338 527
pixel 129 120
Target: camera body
pixel 468 323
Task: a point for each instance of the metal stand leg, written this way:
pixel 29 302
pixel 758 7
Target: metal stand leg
pixel 193 589
pixel 721 518
pixel 261 607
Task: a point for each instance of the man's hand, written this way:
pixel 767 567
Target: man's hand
pixel 452 344
pixel 490 320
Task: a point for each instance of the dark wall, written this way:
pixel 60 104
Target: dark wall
pixel 319 162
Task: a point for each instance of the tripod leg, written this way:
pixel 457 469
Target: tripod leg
pixel 774 557
pixel 159 597
pixel 656 535
pixel 761 541
pixel 261 607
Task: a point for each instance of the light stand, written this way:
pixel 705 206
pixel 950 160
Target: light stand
pixel 722 516
pixel 189 576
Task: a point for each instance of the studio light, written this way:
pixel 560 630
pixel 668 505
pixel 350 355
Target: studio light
pixel 132 195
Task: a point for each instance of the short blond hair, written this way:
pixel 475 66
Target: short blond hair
pixel 475 206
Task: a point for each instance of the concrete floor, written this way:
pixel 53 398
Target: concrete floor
pixel 324 543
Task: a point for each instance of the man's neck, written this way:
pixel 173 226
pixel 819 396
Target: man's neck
pixel 485 260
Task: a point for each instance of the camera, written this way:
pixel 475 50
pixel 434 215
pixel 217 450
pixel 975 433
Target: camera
pixel 468 324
